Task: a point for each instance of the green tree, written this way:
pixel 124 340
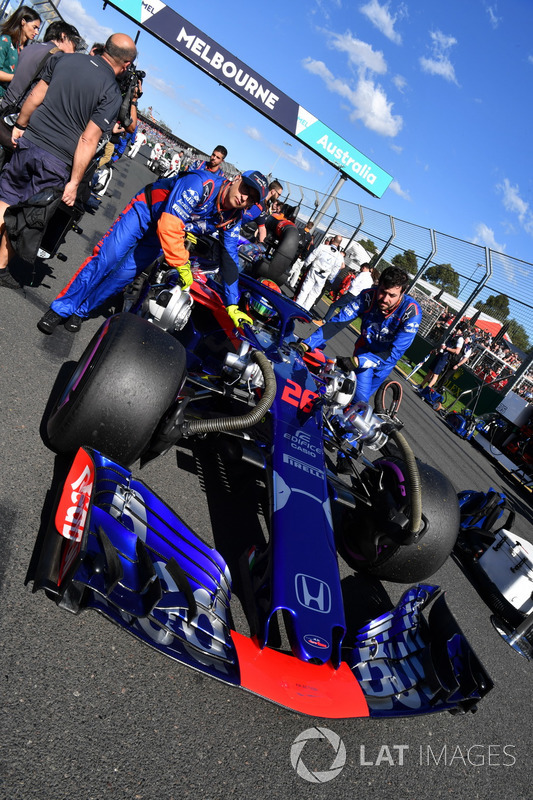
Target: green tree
pixel 406 261
pixel 496 305
pixel 381 265
pixel 445 276
pixel 518 335
pixel 369 245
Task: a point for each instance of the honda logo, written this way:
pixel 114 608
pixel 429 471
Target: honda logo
pixel 313 593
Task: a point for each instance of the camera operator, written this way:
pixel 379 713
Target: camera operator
pixel 130 84
pixel 58 129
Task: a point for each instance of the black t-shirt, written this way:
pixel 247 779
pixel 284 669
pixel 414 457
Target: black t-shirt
pixel 29 60
pixel 81 88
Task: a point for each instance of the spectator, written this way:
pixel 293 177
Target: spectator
pixel 455 361
pixel 59 36
pixel 16 32
pixel 59 127
pixel 452 346
pixel 159 217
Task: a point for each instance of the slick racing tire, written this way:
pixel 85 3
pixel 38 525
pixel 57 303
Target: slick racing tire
pixel 279 266
pixel 124 382
pixel 421 559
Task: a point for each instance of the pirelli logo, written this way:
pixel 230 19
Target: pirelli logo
pixel 309 468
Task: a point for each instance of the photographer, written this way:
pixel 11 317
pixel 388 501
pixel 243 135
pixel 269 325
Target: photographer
pixel 59 127
pixel 130 84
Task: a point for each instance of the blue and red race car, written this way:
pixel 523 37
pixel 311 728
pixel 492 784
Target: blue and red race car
pixel 172 369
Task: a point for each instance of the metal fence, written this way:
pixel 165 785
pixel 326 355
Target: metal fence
pixel 481 272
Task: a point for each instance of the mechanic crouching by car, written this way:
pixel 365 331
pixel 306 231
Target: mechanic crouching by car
pixel 158 219
pixel 389 321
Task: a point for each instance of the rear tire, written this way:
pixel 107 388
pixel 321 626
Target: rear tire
pixel 124 382
pixel 418 561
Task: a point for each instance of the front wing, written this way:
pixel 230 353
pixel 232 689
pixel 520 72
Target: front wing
pixel 115 546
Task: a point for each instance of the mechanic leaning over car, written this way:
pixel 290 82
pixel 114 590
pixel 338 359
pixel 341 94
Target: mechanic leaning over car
pixel 158 219
pixel 389 321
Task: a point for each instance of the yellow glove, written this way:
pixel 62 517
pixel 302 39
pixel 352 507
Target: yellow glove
pixel 190 240
pixel 238 317
pixel 185 275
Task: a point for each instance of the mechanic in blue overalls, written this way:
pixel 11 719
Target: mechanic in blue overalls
pixel 212 164
pixel 157 220
pixel 389 321
pixel 259 212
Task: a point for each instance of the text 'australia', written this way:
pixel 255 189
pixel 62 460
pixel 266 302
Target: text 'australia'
pixel 344 158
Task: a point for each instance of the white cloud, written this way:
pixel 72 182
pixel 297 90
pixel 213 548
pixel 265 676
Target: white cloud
pixel 322 6
pixel 160 84
pixel 400 82
pixel 493 18
pixel 530 59
pixel 360 54
pixel 397 189
pixel 253 133
pixel 397 148
pixel 439 62
pixel 485 236
pixel 90 29
pixel 380 16
pixel 368 100
pixel 516 205
pixel 299 160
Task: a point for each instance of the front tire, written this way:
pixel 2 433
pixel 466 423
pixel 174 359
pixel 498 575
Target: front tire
pixel 124 382
pixel 414 562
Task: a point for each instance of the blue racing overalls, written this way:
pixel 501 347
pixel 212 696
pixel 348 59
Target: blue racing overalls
pixel 156 220
pixel 383 340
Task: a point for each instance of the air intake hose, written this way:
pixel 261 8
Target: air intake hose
pixel 226 424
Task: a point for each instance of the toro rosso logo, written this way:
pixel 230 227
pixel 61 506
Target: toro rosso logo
pixel 316 641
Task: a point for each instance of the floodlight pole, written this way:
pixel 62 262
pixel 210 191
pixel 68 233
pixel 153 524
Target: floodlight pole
pixel 334 192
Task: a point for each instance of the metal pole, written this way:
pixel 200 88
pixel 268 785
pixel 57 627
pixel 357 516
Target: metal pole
pixel 422 269
pixel 488 274
pixel 329 200
pixel 356 231
pixel 376 258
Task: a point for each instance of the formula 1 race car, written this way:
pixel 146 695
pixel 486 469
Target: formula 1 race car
pixel 172 369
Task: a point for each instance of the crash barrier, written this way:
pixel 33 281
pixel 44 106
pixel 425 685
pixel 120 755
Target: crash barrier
pixel 476 271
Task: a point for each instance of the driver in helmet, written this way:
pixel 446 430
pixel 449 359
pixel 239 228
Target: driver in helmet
pixel 260 307
pixel 158 219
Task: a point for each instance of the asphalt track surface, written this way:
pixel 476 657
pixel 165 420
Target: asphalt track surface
pixel 91 713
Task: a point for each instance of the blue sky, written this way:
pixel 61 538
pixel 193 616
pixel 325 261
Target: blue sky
pixel 436 93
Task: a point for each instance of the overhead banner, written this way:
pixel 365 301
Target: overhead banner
pixel 190 42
